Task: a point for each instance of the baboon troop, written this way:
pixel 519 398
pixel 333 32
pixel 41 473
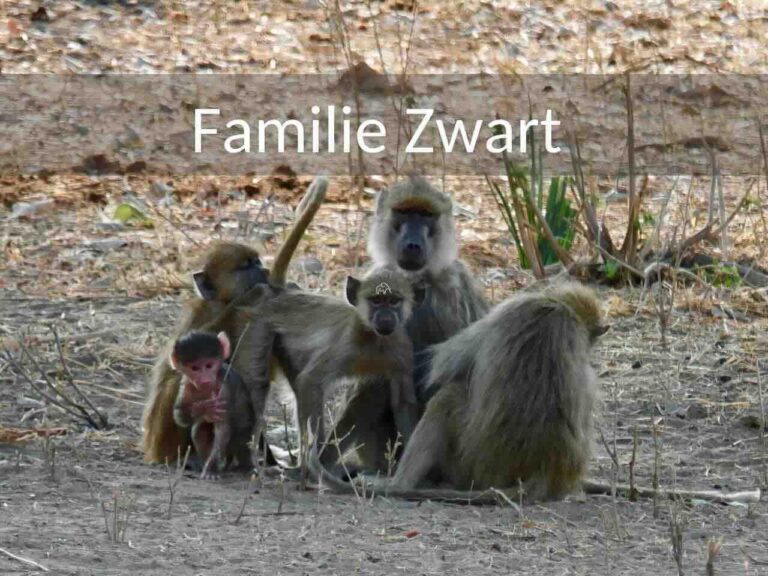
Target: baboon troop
pixel 445 392
pixel 514 401
pixel 232 276
pixel 321 339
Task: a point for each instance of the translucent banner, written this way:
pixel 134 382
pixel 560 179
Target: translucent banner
pixel 368 123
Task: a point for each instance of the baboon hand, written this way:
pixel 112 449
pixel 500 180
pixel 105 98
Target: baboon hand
pixel 210 410
pixel 210 471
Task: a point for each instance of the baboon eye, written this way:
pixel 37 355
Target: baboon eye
pixel 378 300
pixel 209 365
pixel 195 368
pixel 395 300
pixel 249 263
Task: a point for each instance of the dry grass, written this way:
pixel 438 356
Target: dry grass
pixel 685 362
pixel 700 394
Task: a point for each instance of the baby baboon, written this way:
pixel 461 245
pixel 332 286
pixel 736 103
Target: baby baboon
pixel 515 400
pixel 321 339
pixel 230 276
pixel 212 401
pixel 412 229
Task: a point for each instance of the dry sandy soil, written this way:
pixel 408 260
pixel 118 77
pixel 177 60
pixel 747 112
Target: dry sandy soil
pixel 701 390
pixel 113 293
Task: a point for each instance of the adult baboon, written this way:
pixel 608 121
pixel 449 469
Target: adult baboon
pixel 514 404
pixel 412 229
pixel 230 275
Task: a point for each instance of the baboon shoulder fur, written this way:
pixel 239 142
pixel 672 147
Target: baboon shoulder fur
pixel 515 401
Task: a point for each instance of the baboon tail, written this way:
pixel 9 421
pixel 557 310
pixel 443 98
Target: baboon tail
pixel 307 209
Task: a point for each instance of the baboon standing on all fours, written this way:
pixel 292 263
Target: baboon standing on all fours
pixel 321 339
pixel 515 402
pixel 412 229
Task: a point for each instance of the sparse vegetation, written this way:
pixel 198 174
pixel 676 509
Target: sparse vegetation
pixel 681 260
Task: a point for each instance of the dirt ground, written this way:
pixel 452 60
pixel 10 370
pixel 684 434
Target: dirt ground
pixel 74 500
pixel 701 391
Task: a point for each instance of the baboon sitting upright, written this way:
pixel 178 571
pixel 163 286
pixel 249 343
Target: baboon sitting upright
pixel 230 276
pixel 412 229
pixel 213 402
pixel 514 404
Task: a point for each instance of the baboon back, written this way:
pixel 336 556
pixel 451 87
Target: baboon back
pixel 531 397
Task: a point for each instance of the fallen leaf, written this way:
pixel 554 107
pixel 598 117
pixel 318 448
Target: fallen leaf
pixel 11 435
pixel 13 28
pixel 129 214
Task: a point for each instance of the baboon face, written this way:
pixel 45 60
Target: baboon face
pixel 381 303
pixel 203 372
pixel 199 355
pixel 247 274
pixel 385 313
pixel 230 271
pixel 414 237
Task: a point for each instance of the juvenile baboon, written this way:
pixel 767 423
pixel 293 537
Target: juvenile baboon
pixel 321 339
pixel 412 229
pixel 212 401
pixel 230 275
pixel 514 403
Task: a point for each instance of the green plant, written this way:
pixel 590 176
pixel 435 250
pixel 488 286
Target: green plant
pixel 560 218
pixel 542 226
pixel 721 275
pixel 521 211
pixel 509 206
pixel 610 269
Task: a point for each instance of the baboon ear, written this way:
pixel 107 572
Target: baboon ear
pixel 203 286
pixel 225 346
pixel 352 288
pixel 419 294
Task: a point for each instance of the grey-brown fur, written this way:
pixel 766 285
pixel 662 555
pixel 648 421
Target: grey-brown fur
pixel 515 400
pixel 163 440
pixel 453 301
pixel 415 193
pixel 321 339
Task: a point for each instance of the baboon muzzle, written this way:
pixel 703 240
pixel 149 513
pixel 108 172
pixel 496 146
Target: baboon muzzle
pixel 384 322
pixel 412 252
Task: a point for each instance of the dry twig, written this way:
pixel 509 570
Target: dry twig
pixel 23 560
pixel 55 395
pixel 175 477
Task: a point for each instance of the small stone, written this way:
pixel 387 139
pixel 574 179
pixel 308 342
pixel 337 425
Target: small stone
pixel 310 265
pixel 107 244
